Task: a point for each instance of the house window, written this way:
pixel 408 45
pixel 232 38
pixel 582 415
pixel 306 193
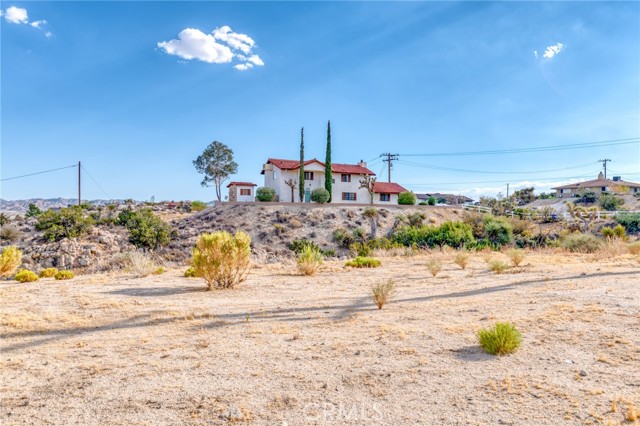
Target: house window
pixel 245 192
pixel 274 175
pixel 346 178
pixel 385 197
pixel 604 188
pixel 349 196
pixel 308 175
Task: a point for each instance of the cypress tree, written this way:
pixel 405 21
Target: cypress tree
pixel 301 177
pixel 328 173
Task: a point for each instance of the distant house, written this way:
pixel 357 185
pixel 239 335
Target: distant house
pixel 386 192
pixel 599 186
pixel 345 184
pixel 241 192
pixel 450 199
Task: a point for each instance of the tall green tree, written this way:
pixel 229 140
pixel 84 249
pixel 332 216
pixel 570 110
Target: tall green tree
pixel 216 164
pixel 328 173
pixel 301 177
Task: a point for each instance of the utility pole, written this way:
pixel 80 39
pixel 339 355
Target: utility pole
pixel 79 197
pixel 388 160
pixel 604 162
pixel 507 191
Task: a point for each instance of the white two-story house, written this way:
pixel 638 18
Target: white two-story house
pixel 283 176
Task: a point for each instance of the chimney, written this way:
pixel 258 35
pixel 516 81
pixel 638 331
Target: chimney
pixel 600 176
pixel 362 163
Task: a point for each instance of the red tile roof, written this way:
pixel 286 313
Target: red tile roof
pixel 387 188
pixel 241 184
pixel 352 169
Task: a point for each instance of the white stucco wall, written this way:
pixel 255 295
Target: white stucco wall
pixel 246 198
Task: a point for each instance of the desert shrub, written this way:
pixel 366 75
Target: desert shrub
pixel 610 202
pixel 137 263
pixel 363 262
pixel 71 222
pixel 515 256
pixel 146 230
pixel 4 219
pixel 198 206
pixel 407 198
pixel 222 259
pixel 309 260
pixel 9 233
pixel 434 266
pixel 630 221
pixel 586 197
pixel 501 339
pixel 383 292
pixel 423 203
pixel 634 248
pixel 431 201
pixel 64 275
pixel 265 194
pixel 416 219
pixel 461 259
pixel 498 231
pixel 159 271
pixel 343 238
pixel 320 195
pixel 618 232
pixel 190 272
pixel 452 234
pixel 32 211
pixel 298 246
pixel 48 272
pixel 581 243
pixel 497 266
pixel 25 276
pixel 362 249
pixel 370 212
pixel 10 259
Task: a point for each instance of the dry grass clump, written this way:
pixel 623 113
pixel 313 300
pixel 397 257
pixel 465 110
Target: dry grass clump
pixel 634 248
pixel 309 260
pixel 383 292
pixel 461 259
pixel 222 259
pixel 434 266
pixel 25 276
pixel 501 339
pixel 64 275
pixel 610 248
pixel 497 266
pixel 581 243
pixel 137 263
pixel 515 256
pixel 363 262
pixel 632 414
pixel 10 259
pixel 48 272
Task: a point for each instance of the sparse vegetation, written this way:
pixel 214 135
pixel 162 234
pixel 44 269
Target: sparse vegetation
pixel 634 248
pixel 363 262
pixel 26 276
pixel 48 272
pixel 222 259
pixel 581 243
pixel 137 264
pixel 610 202
pixel 198 206
pixel 64 275
pixel 516 256
pixel 497 266
pixel 10 259
pixel 452 234
pixel 9 233
pixel 71 222
pixel 383 292
pixel 501 339
pixel 461 259
pixel 617 231
pixel 434 266
pixel 309 260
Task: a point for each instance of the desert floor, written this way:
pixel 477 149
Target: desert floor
pixel 285 349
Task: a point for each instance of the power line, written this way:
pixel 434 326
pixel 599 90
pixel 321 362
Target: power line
pixel 430 166
pixel 38 173
pixel 96 182
pixel 491 181
pixel 611 142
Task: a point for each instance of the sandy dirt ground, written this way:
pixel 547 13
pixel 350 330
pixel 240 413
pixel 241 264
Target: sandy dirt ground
pixel 284 349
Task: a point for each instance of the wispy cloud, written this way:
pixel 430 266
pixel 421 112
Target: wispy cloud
pixel 38 24
pixel 221 46
pixel 19 15
pixel 552 51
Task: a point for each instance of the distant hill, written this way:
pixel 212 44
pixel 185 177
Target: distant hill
pixel 20 206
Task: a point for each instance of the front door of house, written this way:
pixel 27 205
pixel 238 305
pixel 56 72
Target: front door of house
pixel 307 195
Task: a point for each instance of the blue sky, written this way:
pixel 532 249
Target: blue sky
pixel 124 88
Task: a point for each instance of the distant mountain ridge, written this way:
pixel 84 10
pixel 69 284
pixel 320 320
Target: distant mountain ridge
pixel 20 206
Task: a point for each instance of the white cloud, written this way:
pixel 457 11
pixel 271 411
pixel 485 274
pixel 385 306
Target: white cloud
pixel 16 15
pixel 243 67
pixel 48 34
pixel 38 24
pixel 194 44
pixel 220 46
pixel 552 51
pixel 237 41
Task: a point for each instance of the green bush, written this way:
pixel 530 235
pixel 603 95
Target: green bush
pixel 630 221
pixel 407 198
pixel 71 222
pixel 64 275
pixel 610 202
pixel 222 259
pixel 190 272
pixel 581 243
pixel 343 238
pixel 198 206
pixel 501 339
pixel 498 231
pixel 587 197
pixel 10 259
pixel 363 262
pixel 265 194
pixel 48 272
pixel 360 249
pixel 25 276
pixel 431 201
pixel 616 232
pixel 32 211
pixel 146 230
pixel 320 195
pixel 309 260
pixel 452 234
pixel 416 219
pixel 4 219
pixel 298 246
